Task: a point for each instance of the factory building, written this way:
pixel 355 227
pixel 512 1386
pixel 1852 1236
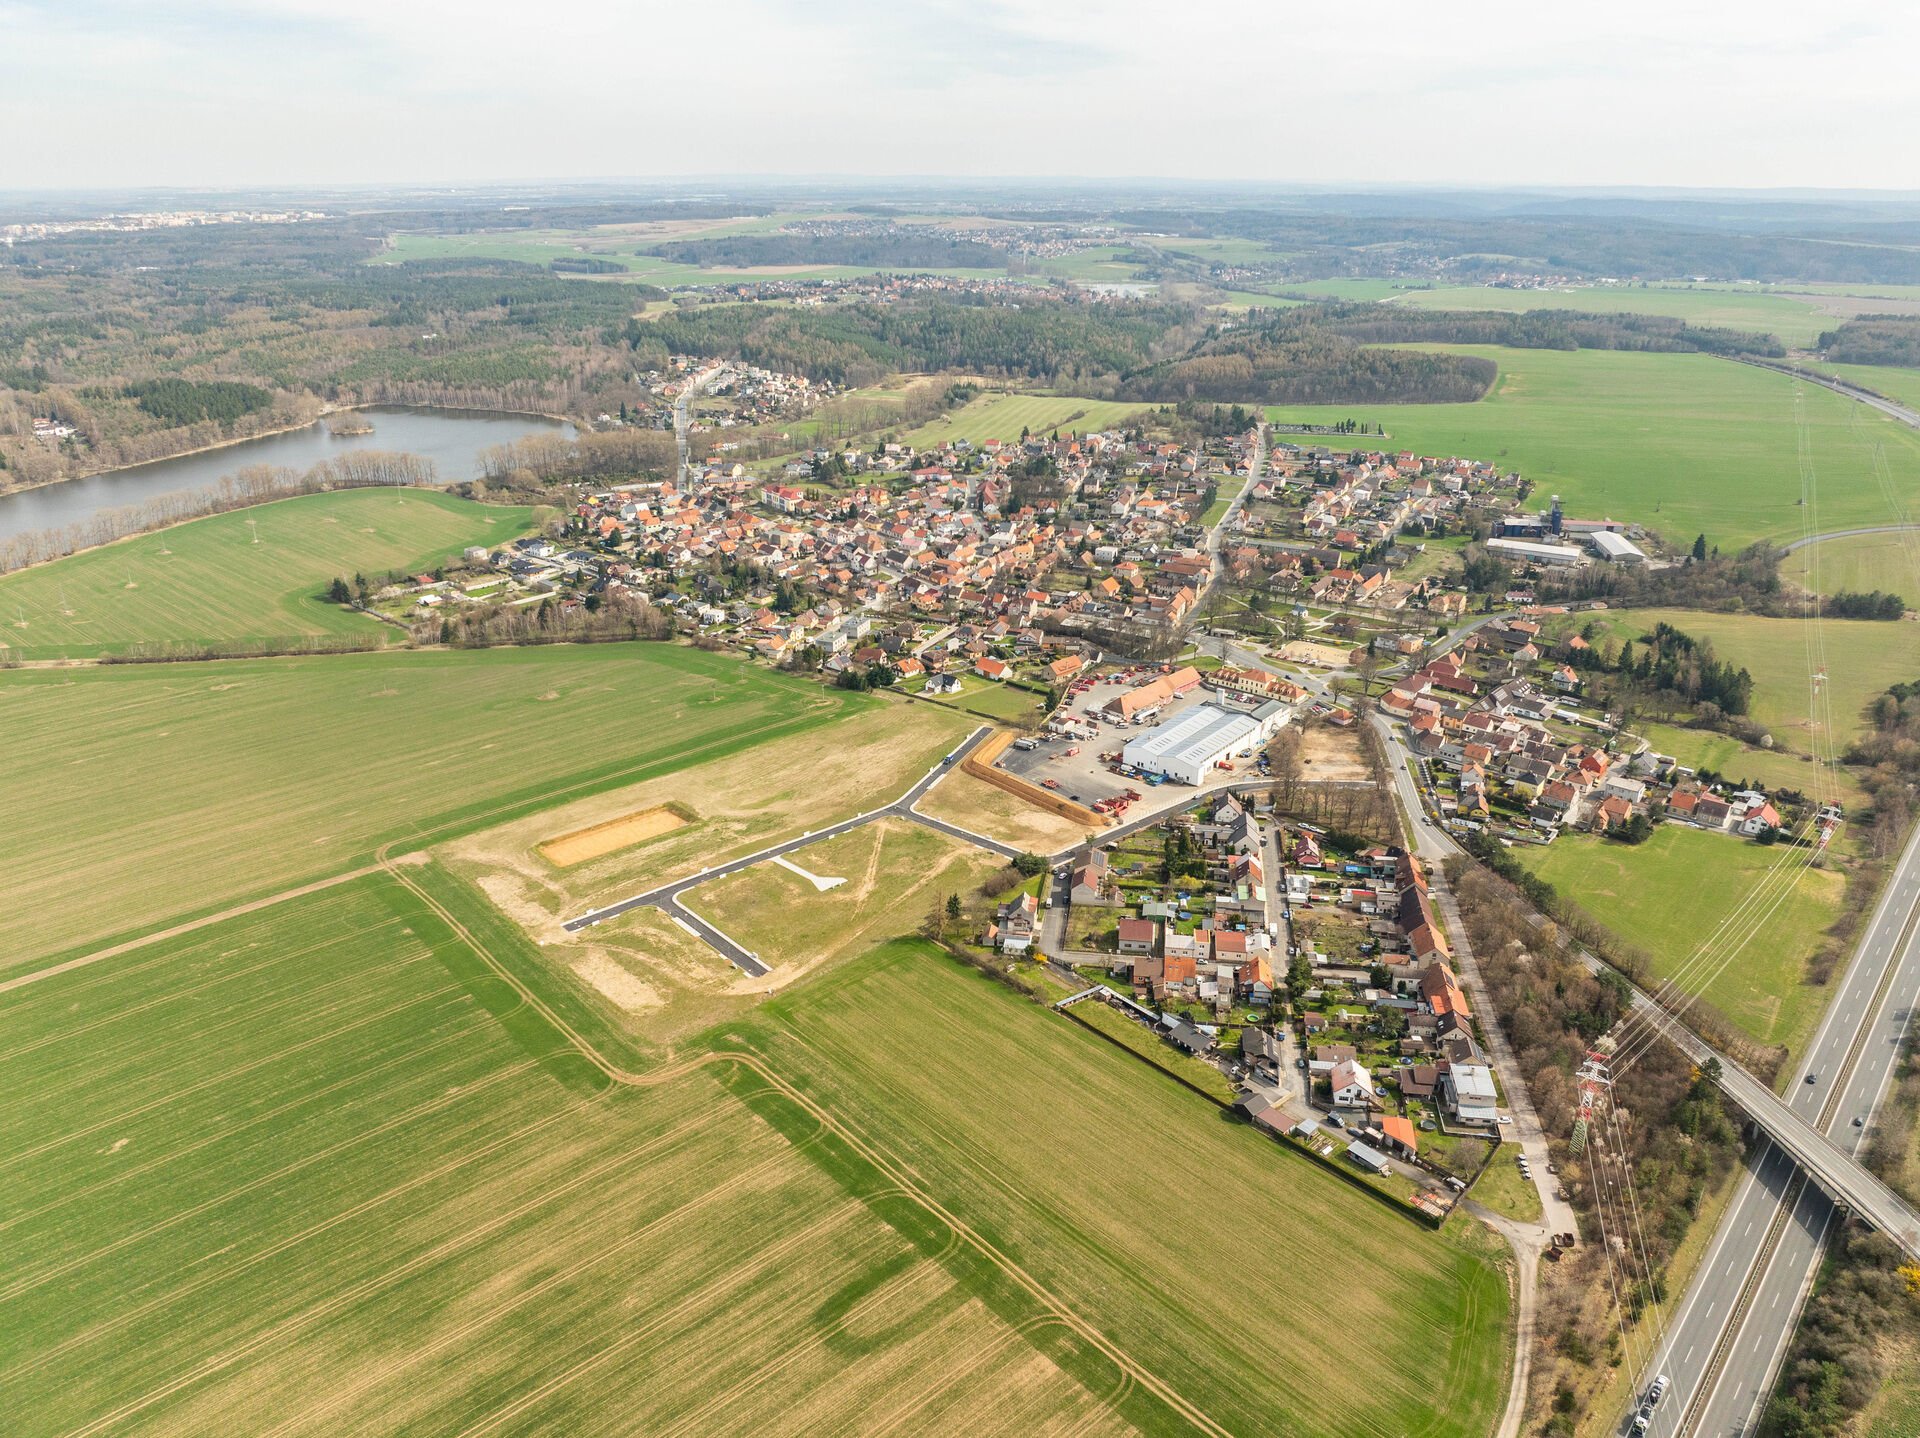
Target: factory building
pixel 1187 747
pixel 1616 548
pixel 1529 552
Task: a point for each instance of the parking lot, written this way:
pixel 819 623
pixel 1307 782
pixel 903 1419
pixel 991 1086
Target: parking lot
pixel 1085 777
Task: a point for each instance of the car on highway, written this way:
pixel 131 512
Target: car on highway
pixel 1813 1078
pixel 1642 1421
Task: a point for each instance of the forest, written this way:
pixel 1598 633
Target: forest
pixel 1059 339
pixel 1875 339
pixel 1541 329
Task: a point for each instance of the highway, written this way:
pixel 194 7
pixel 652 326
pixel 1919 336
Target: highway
pixel 1890 408
pixel 1729 1335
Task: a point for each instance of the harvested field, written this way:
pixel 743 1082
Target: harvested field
pixel 317 1172
pixel 972 803
pixel 612 836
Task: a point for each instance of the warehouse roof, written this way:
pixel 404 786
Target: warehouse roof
pixel 1195 738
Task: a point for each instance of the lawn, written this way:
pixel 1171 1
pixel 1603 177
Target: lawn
pixel 319 1170
pixel 1133 1036
pixel 1687 444
pixel 250 575
pixel 176 788
pixel 1501 1188
pixel 1669 898
pixel 1082 1166
pixel 1000 701
pixel 1860 563
pixel 1795 322
pixel 1862 658
pixel 1006 416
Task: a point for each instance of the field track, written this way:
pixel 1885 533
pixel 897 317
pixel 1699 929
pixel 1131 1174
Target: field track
pixel 1135 1371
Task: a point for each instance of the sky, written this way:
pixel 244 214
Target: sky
pixel 1748 94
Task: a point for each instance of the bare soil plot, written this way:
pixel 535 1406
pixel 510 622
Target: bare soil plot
pixel 1324 656
pixel 1331 754
pixel 611 836
pixel 974 804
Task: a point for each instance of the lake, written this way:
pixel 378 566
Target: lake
pixel 452 438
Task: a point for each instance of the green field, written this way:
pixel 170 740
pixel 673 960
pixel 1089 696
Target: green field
pixel 1900 385
pixel 1669 897
pixel 321 1170
pixel 1861 658
pixel 172 788
pixel 250 575
pixel 1795 322
pixel 1005 416
pixel 998 700
pixel 1075 1158
pixel 1686 444
pixel 1860 563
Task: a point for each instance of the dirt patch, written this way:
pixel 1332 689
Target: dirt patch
pixel 987 809
pixel 590 843
pixel 1324 656
pixel 617 985
pixel 1331 754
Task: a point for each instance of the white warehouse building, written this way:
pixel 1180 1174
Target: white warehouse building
pixel 1616 548
pixel 1187 747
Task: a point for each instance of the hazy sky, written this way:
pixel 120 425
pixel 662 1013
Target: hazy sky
pixel 1749 93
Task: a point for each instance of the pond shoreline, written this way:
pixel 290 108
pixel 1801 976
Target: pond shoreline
pixel 320 417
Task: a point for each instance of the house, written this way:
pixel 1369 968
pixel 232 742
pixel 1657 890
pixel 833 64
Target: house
pixel 991 668
pixel 1468 1091
pixel 1325 1058
pixel 1016 924
pixel 1419 1080
pixel 1191 1037
pixel 1138 936
pixel 1400 1135
pixel 1440 990
pixel 1352 1085
pixel 1092 884
pixel 942 684
pixel 1758 821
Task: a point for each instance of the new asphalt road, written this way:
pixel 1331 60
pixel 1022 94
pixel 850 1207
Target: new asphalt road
pixel 667 897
